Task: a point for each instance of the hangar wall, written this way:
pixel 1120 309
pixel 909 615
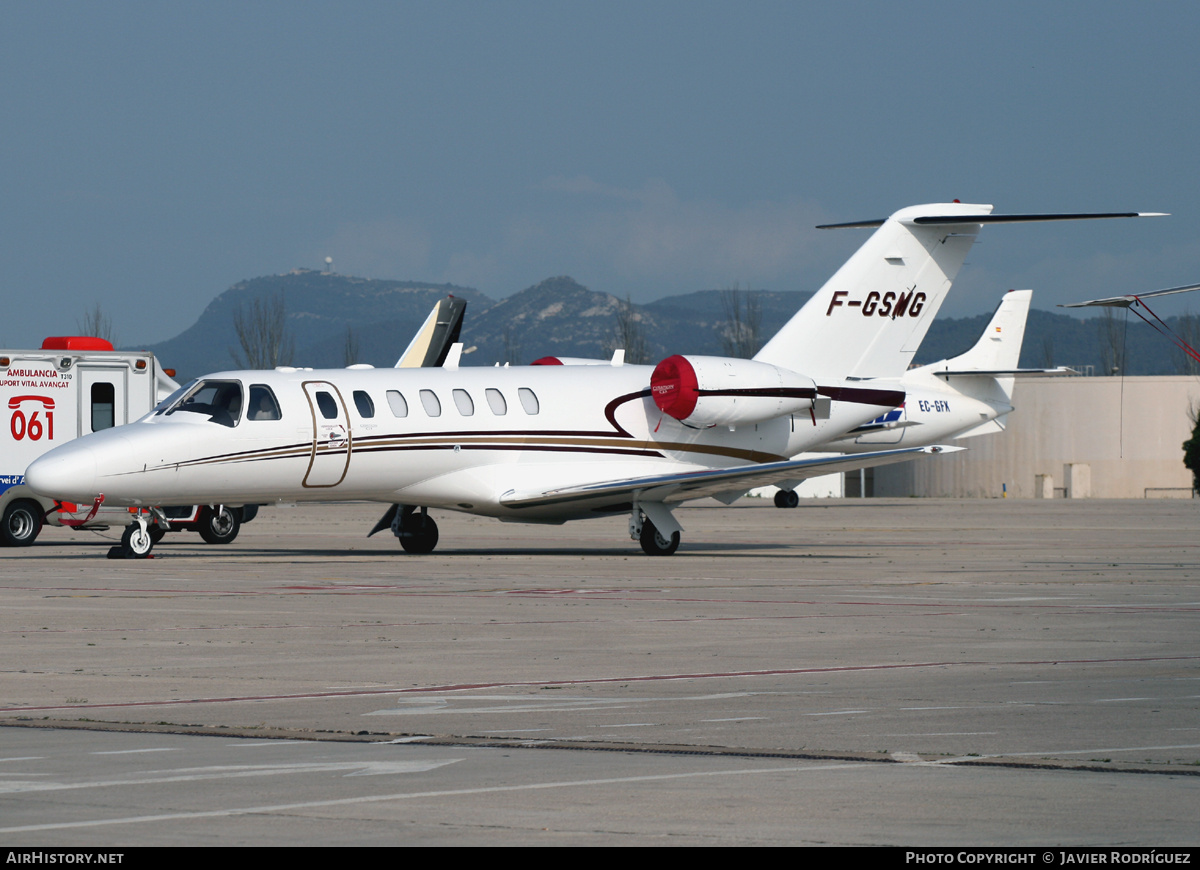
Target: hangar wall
pixel 1129 431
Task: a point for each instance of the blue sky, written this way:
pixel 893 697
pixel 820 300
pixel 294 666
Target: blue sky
pixel 152 154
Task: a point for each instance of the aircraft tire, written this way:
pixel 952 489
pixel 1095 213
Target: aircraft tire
pixel 136 542
pixel 21 524
pixel 418 534
pixel 787 498
pixel 654 544
pixel 219 527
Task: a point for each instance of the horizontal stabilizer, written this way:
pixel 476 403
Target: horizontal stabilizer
pixel 1060 371
pixel 685 486
pixel 953 219
pixel 1131 298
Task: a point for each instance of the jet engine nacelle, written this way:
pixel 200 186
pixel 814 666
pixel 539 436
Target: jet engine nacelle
pixel 719 391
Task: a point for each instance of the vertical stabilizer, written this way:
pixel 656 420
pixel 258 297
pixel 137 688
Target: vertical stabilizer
pixel 437 334
pixel 871 316
pixel 986 371
pixel 999 348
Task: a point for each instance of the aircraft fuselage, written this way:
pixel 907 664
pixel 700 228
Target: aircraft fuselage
pixel 458 439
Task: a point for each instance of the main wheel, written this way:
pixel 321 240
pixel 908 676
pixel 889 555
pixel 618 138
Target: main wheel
pixel 21 523
pixel 418 533
pixel 654 544
pixel 787 498
pixel 219 526
pixel 136 542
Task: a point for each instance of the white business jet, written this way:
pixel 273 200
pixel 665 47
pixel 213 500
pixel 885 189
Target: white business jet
pixel 957 398
pixel 545 444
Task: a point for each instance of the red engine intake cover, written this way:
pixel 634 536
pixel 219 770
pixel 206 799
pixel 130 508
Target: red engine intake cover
pixel 674 387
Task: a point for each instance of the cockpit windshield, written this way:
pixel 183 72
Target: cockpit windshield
pixel 174 397
pixel 220 401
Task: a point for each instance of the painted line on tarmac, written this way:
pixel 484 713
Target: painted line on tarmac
pixel 642 678
pixel 400 796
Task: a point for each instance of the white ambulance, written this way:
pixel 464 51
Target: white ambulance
pixel 73 386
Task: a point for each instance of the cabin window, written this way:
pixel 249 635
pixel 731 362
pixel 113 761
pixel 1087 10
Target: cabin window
pixel 495 400
pixel 104 402
pixel 327 404
pixel 464 403
pixel 366 408
pixel 431 404
pixel 397 404
pixel 528 400
pixel 220 401
pixel 262 405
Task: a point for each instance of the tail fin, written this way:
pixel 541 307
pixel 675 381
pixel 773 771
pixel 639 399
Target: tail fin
pixel 999 348
pixel 986 371
pixel 871 316
pixel 432 343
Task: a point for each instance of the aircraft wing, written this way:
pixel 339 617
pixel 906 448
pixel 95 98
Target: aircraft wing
pixel 685 486
pixel 1131 298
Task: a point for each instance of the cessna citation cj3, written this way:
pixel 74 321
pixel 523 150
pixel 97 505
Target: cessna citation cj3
pixel 545 444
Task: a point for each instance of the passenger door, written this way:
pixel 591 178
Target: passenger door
pixel 332 441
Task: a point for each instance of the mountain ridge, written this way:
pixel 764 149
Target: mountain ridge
pixel 329 314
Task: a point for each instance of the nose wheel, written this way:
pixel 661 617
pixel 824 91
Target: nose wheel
pixel 136 541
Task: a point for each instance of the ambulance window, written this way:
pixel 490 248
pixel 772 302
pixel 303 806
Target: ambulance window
pixel 397 404
pixel 429 401
pixel 496 402
pixel 528 400
pixel 104 399
pixel 366 408
pixel 462 401
pixel 262 404
pixel 327 404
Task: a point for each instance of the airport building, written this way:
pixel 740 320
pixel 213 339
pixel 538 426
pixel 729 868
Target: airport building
pixel 1073 437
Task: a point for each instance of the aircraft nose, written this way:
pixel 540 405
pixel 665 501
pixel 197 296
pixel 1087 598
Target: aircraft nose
pixel 67 473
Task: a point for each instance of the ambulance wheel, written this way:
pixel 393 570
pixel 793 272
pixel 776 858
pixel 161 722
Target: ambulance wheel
pixel 219 526
pixel 418 533
pixel 653 542
pixel 136 542
pixel 787 498
pixel 21 524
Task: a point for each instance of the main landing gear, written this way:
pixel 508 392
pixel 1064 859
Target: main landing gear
pixel 787 498
pixel 651 525
pixel 418 533
pixel 654 543
pixel 656 540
